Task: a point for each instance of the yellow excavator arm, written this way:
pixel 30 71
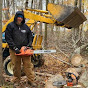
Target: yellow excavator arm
pixel 32 19
pixel 64 16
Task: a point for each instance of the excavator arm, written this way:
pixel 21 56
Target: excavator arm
pixel 32 19
pixel 64 16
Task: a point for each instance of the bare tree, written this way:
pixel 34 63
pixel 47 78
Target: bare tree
pixel 76 2
pixel 40 14
pixel 26 4
pixel 1 65
pixel 45 39
pixel 31 4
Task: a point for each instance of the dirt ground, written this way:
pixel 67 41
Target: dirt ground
pixel 51 66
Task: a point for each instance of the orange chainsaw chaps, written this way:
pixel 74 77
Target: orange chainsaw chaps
pixel 26 52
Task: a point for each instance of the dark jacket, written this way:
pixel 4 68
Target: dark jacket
pixel 18 36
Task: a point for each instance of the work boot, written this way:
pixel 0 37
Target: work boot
pixel 15 81
pixel 16 84
pixel 32 84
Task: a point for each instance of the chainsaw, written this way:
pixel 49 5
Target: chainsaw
pixel 69 82
pixel 27 51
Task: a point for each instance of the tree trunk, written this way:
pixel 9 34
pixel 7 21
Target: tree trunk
pixel 77 32
pixel 76 2
pixel 40 14
pixel 52 1
pixel 80 30
pixel 31 4
pixel 13 7
pixel 1 65
pixel 80 4
pixel 45 40
pixel 7 12
pixel 26 4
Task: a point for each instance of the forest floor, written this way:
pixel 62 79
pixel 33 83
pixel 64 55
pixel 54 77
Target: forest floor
pixel 51 66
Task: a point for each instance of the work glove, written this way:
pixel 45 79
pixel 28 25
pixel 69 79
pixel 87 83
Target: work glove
pixel 17 51
pixel 31 47
pixel 28 47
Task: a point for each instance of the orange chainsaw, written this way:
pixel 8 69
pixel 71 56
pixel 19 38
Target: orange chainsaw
pixel 69 82
pixel 27 51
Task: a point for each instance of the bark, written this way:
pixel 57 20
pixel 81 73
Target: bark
pixel 52 1
pixel 13 7
pixel 76 32
pixel 83 33
pixel 1 65
pixel 31 4
pixel 52 26
pixel 7 12
pixel 26 4
pixel 80 2
pixel 76 2
pixel 62 2
pixel 40 14
pixel 80 48
pixel 45 39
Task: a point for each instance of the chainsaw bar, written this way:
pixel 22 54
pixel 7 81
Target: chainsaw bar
pixel 44 51
pixel 58 83
pixel 28 52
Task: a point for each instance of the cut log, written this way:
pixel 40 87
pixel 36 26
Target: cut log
pixel 76 60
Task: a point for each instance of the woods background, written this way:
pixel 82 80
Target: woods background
pixel 64 40
pixel 67 42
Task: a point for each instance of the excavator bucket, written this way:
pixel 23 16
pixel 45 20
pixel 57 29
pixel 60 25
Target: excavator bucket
pixel 66 15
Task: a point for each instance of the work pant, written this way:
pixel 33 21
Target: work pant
pixel 27 66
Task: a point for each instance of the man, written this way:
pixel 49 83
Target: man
pixel 18 34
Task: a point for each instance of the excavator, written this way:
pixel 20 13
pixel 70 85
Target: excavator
pixel 60 15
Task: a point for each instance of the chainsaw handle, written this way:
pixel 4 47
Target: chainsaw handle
pixel 26 47
pixel 25 52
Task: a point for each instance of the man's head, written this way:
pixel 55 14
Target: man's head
pixel 19 19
